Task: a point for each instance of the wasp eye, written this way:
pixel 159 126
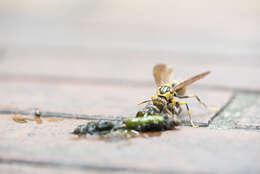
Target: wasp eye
pixel 164 89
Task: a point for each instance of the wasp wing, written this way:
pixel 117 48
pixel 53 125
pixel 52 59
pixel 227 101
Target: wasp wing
pixel 161 74
pixel 190 80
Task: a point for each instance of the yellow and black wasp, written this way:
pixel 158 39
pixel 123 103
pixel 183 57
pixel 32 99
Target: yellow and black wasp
pixel 167 92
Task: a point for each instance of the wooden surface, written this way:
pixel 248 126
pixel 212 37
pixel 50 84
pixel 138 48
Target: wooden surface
pixel 95 58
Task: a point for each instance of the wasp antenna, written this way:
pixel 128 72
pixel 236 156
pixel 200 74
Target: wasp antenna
pixel 143 102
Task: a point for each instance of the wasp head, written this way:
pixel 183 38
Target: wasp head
pixel 165 91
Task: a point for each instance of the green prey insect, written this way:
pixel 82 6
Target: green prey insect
pixel 167 92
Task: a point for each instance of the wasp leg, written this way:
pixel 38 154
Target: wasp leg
pixel 198 99
pixel 168 111
pixel 179 110
pixel 188 111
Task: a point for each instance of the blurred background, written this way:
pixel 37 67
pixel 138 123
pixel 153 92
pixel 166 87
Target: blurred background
pixel 118 42
pixel 95 57
pixel 223 27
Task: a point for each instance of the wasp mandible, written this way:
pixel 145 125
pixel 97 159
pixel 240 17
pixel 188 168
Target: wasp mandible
pixel 167 92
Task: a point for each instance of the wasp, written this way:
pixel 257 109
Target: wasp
pixel 168 92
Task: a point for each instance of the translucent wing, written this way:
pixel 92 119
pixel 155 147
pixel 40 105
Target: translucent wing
pixel 161 74
pixel 190 80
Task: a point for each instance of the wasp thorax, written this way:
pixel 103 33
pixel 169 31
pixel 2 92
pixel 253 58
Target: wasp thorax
pixel 160 102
